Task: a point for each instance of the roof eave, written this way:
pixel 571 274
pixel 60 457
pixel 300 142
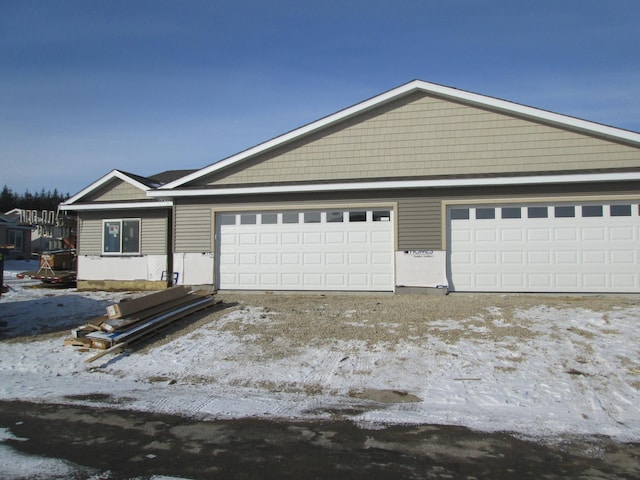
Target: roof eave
pixel 404 184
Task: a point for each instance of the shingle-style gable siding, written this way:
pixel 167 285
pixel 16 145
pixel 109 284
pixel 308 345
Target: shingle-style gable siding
pixel 422 135
pixel 116 191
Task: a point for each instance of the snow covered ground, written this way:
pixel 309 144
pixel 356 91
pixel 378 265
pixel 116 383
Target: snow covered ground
pixel 577 373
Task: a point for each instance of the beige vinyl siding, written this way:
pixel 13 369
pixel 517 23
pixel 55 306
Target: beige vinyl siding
pixel 89 234
pixel 153 227
pixel 418 217
pixel 115 191
pixel 193 232
pixel 419 223
pixel 421 135
pixel 419 211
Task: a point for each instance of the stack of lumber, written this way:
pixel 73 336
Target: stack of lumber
pixel 133 320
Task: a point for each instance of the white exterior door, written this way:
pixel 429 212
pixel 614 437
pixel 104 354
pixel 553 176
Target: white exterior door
pixel 335 249
pixel 564 247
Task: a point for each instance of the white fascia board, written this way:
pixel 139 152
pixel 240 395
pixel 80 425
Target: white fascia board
pixel 98 183
pixel 415 85
pixel 117 206
pixel 401 184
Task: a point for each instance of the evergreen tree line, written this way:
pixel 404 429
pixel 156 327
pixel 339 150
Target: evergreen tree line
pixel 31 201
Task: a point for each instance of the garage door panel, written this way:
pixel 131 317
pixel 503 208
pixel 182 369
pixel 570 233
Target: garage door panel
pixel 568 280
pixel 485 257
pixel 593 234
pixel 383 238
pixel 383 259
pixel 622 257
pixel 291 258
pixel 248 259
pixel 313 258
pixel 575 253
pixel 569 257
pixel 538 234
pixel 512 235
pixel 248 239
pixel 290 238
pixel 268 238
pixel 335 238
pixel 540 257
pixel 336 281
pixel 623 280
pixel 485 235
pixel 358 258
pixel 565 234
pixel 312 238
pixel 594 257
pixel 515 258
pixel 622 234
pixel 316 253
pixel 355 238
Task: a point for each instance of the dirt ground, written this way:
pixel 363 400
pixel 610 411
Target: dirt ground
pixel 313 319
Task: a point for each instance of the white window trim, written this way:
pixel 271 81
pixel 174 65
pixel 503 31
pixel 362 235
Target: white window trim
pixel 121 253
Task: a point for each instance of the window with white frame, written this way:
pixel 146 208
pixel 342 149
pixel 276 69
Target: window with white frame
pixel 121 237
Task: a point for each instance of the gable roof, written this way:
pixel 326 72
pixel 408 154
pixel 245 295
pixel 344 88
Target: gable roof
pixel 403 90
pixel 137 181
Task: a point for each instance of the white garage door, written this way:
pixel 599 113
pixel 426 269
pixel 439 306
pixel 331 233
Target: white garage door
pixel 568 247
pixel 306 250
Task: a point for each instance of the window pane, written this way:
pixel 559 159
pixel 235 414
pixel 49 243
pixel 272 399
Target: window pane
pixel 538 212
pixel 248 219
pixel 511 212
pixel 620 210
pixel 382 216
pixel 592 210
pixel 357 216
pixel 269 218
pixel 228 219
pixel 460 214
pixel 311 217
pixel 111 236
pixel 15 239
pixel 130 236
pixel 565 212
pixel 485 213
pixel 290 217
pixel 335 217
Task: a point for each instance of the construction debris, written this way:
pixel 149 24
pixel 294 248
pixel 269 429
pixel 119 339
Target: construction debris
pixel 133 320
pixel 56 266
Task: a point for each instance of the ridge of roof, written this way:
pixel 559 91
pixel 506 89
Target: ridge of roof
pixel 406 89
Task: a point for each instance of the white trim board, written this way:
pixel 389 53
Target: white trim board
pixel 117 206
pixel 400 184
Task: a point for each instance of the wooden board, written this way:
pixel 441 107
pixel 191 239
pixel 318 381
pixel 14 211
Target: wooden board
pixel 130 307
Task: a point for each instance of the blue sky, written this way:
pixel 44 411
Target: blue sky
pixel 146 86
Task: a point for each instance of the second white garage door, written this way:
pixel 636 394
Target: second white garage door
pixel 568 247
pixel 349 250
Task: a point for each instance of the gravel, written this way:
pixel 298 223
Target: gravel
pixel 300 320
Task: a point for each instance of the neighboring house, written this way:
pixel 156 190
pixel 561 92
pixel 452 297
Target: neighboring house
pixel 423 186
pixel 48 229
pixel 15 237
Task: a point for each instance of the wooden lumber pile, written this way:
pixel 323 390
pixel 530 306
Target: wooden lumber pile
pixel 130 321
